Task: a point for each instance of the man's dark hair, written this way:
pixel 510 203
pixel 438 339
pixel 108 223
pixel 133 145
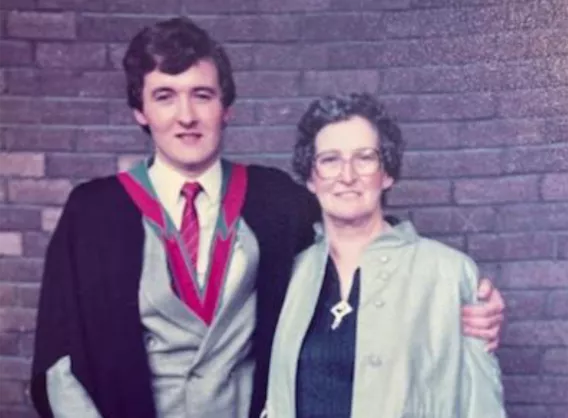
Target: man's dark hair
pixel 172 46
pixel 331 109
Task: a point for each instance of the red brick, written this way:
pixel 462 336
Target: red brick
pixel 15 53
pixel 8 295
pixel 59 82
pixel 111 28
pixel 267 84
pixel 11 243
pixel 42 139
pixel 241 56
pixel 519 360
pixel 555 187
pixel 17 4
pixel 218 6
pixel 526 389
pixel 555 361
pixel 68 112
pixel 558 411
pixel 22 82
pixel 8 341
pixel 29 295
pixel 333 27
pixel 525 304
pixel 317 83
pixel 145 6
pixel 241 140
pixel 290 57
pixel 26 344
pixel 455 219
pixel 536 333
pixel 536 159
pixel 11 367
pixel 492 247
pixel 243 113
pixel 496 190
pixel 534 216
pixel 248 28
pixel 112 140
pixel 102 84
pixel 20 269
pixel 35 243
pixel 427 136
pixel 79 165
pixel 293 6
pixel 441 107
pixel 420 192
pixel 496 133
pixel 558 303
pixel 527 411
pixel 3 192
pixel 281 112
pixel 121 114
pixel 444 164
pixel 534 274
pixel 16 319
pixel 38 191
pixel 12 391
pixel 276 162
pixel 17 412
pixel 75 55
pixel 454 241
pixel 19 110
pixel 90 6
pixel 375 55
pixel 368 5
pixel 116 53
pixel 41 25
pixel 535 102
pixel 49 218
pixel 22 164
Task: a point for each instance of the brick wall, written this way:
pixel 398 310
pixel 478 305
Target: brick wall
pixel 480 86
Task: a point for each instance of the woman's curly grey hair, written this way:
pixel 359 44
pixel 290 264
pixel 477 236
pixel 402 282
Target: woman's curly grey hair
pixel 331 109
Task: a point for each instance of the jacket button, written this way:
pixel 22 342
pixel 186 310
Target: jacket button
pixel 379 303
pixel 384 259
pixel 375 361
pixel 150 341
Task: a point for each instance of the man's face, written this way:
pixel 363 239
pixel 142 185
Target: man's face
pixel 185 115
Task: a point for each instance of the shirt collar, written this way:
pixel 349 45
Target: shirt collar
pixel 169 182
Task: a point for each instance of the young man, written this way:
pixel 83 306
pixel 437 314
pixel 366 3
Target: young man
pixel 163 285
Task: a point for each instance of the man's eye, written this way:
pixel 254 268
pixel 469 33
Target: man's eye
pixel 163 97
pixel 329 159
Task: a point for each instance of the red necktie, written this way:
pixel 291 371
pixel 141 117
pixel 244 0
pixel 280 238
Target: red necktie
pixel 189 221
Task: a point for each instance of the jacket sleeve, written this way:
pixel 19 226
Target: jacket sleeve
pixel 67 397
pixel 481 388
pixel 55 311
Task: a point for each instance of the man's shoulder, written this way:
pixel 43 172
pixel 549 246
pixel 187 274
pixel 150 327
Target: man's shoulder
pixel 103 195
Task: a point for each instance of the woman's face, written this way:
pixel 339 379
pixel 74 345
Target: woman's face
pixel 347 176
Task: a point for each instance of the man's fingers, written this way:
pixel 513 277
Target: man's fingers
pixel 487 322
pixel 484 289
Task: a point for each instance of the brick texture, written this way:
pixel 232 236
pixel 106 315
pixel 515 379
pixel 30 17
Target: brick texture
pixel 480 89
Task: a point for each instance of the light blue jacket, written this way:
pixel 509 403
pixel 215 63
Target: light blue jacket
pixel 412 360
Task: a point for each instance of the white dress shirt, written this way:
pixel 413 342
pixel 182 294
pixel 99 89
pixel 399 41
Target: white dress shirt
pixel 168 184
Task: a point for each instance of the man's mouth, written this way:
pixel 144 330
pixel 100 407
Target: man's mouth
pixel 189 136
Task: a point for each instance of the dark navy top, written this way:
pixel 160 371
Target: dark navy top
pixel 324 386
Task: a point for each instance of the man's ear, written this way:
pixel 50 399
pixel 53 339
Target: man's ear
pixel 387 183
pixel 140 118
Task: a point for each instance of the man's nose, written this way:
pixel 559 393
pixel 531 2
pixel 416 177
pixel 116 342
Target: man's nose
pixel 186 112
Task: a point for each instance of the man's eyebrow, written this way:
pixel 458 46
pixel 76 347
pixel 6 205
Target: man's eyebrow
pixel 159 90
pixel 204 89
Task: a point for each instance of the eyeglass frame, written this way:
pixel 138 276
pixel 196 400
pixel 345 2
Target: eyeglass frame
pixel 349 160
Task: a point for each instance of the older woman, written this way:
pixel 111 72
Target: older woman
pixel 371 322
